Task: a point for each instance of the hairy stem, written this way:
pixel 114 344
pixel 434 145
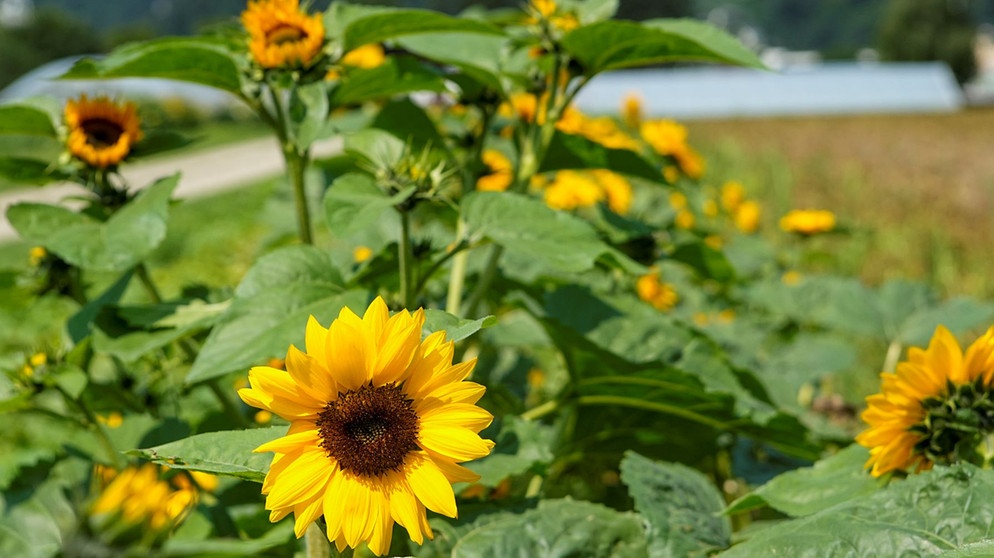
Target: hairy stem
pixel 405 256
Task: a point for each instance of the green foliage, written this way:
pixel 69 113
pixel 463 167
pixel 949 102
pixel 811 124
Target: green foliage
pixel 221 453
pixel 918 30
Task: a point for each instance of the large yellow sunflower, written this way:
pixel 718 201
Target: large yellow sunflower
pixel 380 420
pixel 281 35
pixel 101 132
pixel 935 408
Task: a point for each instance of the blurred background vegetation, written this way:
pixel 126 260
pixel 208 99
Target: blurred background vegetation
pixel 836 29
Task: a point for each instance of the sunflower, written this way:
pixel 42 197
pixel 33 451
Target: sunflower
pixel 807 222
pixel 379 419
pixel 281 35
pixel 101 132
pixel 937 407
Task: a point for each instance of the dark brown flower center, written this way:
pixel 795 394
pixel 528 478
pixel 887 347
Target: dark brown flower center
pixel 369 430
pixel 101 132
pixel 285 34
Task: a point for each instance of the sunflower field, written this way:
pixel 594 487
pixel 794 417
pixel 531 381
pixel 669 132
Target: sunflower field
pixel 500 327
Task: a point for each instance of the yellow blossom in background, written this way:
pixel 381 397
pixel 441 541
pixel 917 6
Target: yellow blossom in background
pixel 631 110
pixel 710 208
pixel 732 194
pixel 666 137
pixel 678 200
pixel 36 255
pixel 138 497
pixel 380 420
pixel 101 132
pixel 501 172
pixel 616 188
pixel 808 221
pixel 361 253
pixel 572 190
pixel 38 359
pixel 662 296
pixel 280 35
pixel 545 8
pixel 932 407
pixel 536 378
pixel 701 319
pixel 747 215
pixel 367 56
pixel 714 241
pixel 538 181
pixel 690 161
pixel 726 316
pixel 526 107
pixel 277 363
pixel 205 481
pixel 671 173
pixel 684 219
pixel 111 420
pixel 263 417
pixel 791 278
pixel 603 130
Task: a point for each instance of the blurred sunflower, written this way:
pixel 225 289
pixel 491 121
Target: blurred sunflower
pixel 379 422
pixel 500 176
pixel 937 407
pixel 807 222
pixel 101 132
pixel 281 35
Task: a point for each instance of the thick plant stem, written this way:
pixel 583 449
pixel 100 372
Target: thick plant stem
pixel 540 411
pixel 315 543
pixel 296 165
pixel 405 256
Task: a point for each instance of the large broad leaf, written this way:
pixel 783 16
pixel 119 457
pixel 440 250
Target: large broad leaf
pixel 117 244
pixel 195 60
pixel 378 27
pixel 558 528
pixel 528 227
pixel 611 45
pixel 577 152
pixel 27 131
pixel 681 505
pixel 836 479
pixel 521 446
pixel 456 328
pixel 410 123
pixel 271 308
pixel 308 111
pixel 476 55
pixel 957 314
pixel 708 262
pixel 924 515
pixel 226 453
pixel 807 358
pixel 398 74
pixel 354 202
pixel 128 339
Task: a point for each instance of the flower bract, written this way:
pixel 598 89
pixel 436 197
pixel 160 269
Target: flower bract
pixel 379 422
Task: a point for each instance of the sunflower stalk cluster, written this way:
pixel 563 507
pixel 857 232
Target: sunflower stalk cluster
pixel 509 327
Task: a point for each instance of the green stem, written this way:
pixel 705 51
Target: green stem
pixel 540 411
pixel 96 427
pixel 296 164
pixel 486 278
pixel 146 280
pixel 315 543
pixel 650 406
pixel 405 256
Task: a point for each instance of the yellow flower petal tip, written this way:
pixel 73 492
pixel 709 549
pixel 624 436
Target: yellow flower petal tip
pixel 380 420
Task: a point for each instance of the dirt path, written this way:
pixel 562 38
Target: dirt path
pixel 203 173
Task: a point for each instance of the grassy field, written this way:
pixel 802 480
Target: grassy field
pixel 916 191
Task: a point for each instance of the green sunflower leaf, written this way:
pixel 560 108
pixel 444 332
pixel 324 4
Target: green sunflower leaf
pixel 227 453
pixel 456 328
pixel 680 504
pixel 612 45
pixel 806 491
pixel 926 514
pixel 195 60
pixel 27 132
pixel 569 151
pixel 477 56
pixel 354 203
pixel 527 227
pixel 398 74
pixel 381 26
pixel 117 244
pixel 270 310
pixel 558 528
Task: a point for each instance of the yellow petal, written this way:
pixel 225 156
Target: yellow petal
pixel 334 508
pixel 357 524
pixel 430 486
pixel 457 415
pixel 346 350
pixel 404 509
pixel 303 478
pixel 395 348
pixel 292 442
pixel 305 514
pixel 455 473
pixel 382 524
pixel 315 339
pixel 310 375
pixel 457 444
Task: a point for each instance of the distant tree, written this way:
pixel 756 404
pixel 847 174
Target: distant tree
pixel 918 30
pixel 47 35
